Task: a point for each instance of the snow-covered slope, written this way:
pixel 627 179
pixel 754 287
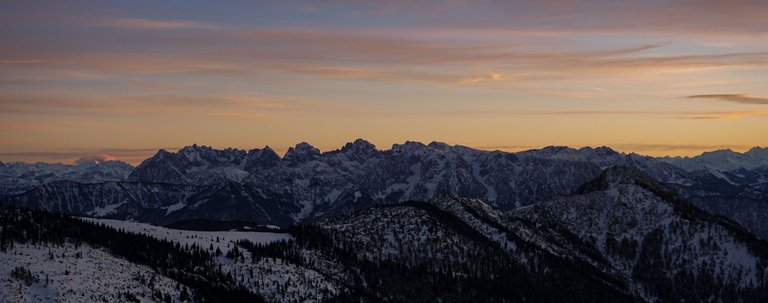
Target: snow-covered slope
pixel 445 237
pixel 223 240
pixel 407 234
pixel 70 273
pixel 623 228
pixel 622 237
pixel 656 239
pixel 275 280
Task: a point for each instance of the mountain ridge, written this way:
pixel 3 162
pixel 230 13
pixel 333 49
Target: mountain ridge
pixel 312 185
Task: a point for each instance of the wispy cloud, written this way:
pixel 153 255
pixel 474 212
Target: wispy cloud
pixel 411 63
pixel 736 98
pixel 652 17
pixel 356 54
pixel 147 24
pixel 660 114
pixel 641 147
pixel 727 115
pixel 353 73
pixel 169 105
pixel 509 148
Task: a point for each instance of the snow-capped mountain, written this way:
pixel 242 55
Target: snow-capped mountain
pixel 307 185
pixel 199 165
pixel 409 171
pixel 723 160
pixel 620 237
pixel 359 175
pixel 19 177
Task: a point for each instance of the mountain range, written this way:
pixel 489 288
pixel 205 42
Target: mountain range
pixel 306 185
pixel 415 223
pixel 18 177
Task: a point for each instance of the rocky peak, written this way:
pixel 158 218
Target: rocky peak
pixel 605 151
pixel 302 152
pixel 360 149
pixel 758 151
pixel 408 146
pixel 555 149
pixel 161 153
pixel 196 148
pixel 720 153
pixel 261 159
pixel 439 145
pixel 202 154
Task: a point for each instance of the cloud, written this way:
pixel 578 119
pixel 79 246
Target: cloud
pixel 706 18
pixel 352 54
pixel 162 105
pixel 638 147
pixel 727 115
pixel 683 19
pixel 508 148
pixel 396 75
pixel 94 158
pixel 684 115
pixel 736 98
pixel 489 78
pixel 146 24
pixel 352 73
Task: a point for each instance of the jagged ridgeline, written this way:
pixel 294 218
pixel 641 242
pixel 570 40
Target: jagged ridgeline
pixel 306 185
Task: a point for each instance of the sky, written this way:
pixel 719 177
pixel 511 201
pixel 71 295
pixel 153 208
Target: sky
pixel 121 79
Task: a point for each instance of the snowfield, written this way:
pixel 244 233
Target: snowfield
pixel 275 280
pixel 88 274
pixel 223 240
pixel 79 274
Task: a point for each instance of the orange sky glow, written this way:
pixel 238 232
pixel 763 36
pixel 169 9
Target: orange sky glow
pixel 121 79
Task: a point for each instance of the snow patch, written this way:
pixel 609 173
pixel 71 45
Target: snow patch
pixel 106 210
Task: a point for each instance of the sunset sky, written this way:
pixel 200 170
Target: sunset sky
pixel 124 78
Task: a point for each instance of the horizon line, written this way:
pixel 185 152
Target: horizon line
pixel 136 156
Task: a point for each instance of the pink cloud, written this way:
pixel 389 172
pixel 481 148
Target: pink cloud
pixel 94 158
